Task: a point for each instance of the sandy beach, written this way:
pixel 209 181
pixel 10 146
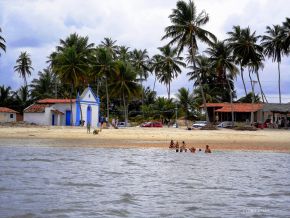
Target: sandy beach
pixel 223 139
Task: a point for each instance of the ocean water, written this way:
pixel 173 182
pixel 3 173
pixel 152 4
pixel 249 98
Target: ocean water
pixel 114 182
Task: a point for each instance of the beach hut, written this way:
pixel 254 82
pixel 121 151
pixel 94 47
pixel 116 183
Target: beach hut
pixel 57 112
pixel 242 111
pixel 7 114
pixel 274 112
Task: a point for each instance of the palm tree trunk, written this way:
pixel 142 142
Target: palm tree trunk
pixel 262 93
pixel 279 82
pixel 154 83
pixel 107 94
pixel 242 76
pixel 169 91
pixel 199 82
pixel 71 113
pixel 253 96
pixel 231 99
pixel 125 110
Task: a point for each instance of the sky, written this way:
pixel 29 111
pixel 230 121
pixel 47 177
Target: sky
pixel 36 26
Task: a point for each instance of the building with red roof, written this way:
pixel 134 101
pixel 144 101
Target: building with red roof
pixel 59 111
pixel 242 111
pixel 7 114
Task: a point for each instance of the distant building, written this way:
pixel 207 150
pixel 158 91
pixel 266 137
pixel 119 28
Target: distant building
pixel 57 112
pixel 7 114
pixel 242 111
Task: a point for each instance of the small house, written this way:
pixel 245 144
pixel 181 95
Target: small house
pixel 58 112
pixel 7 114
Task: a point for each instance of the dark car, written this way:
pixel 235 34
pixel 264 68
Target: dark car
pixel 152 124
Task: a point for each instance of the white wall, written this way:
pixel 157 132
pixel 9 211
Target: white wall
pixel 38 118
pixel 5 117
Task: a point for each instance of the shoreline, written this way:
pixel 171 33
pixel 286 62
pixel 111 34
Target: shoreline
pixel 136 137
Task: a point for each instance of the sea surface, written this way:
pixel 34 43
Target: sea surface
pixel 114 182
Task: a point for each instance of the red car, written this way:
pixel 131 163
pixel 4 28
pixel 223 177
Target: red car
pixel 152 124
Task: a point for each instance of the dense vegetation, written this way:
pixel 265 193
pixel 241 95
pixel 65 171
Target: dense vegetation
pixel 117 73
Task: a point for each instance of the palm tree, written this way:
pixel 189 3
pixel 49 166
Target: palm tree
pixel 44 86
pixel 186 30
pixel 155 68
pixel 123 53
pixel 2 42
pixel 110 45
pixel 125 85
pixel 23 66
pixel 140 60
pixel 286 35
pixel 238 46
pixel 22 97
pixel 105 68
pixel 273 47
pixel 223 63
pixel 184 99
pixel 71 62
pixel 5 96
pixel 169 65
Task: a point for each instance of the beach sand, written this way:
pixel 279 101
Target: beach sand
pixel 222 139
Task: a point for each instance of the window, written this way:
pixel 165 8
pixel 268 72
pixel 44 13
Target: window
pixel 11 116
pixel 89 95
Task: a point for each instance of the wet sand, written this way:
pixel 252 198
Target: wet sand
pixel 223 139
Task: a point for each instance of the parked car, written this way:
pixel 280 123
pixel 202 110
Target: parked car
pixel 152 124
pixel 122 125
pixel 225 124
pixel 199 124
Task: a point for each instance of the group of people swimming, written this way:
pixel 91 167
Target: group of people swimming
pixel 182 147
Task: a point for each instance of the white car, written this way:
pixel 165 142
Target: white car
pixel 199 124
pixel 225 124
pixel 123 124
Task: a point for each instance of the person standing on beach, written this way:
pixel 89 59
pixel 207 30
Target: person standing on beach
pixel 88 127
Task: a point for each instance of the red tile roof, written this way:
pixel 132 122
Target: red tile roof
pixel 215 104
pixel 240 107
pixel 7 110
pixel 36 108
pixel 55 101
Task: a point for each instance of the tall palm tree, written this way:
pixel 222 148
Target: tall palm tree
pixel 186 30
pixel 2 42
pixel 140 60
pixel 184 99
pixel 286 35
pixel 223 63
pixel 169 65
pixel 238 46
pixel 123 53
pixel 105 70
pixel 155 68
pixel 110 45
pixel 71 62
pixel 125 85
pixel 274 47
pixel 23 66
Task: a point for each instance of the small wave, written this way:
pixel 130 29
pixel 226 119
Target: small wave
pixel 121 213
pixel 192 208
pixel 81 184
pixel 36 159
pixel 26 215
